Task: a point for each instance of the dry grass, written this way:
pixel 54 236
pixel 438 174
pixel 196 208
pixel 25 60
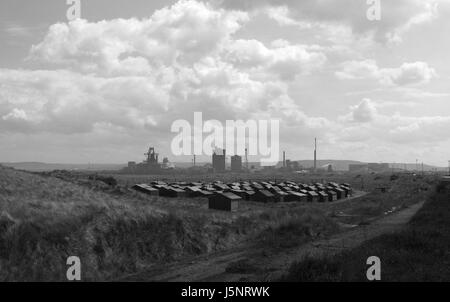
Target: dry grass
pixel 43 220
pixel 417 253
pixel 115 231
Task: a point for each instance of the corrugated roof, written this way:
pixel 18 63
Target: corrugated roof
pixel 229 195
pixel 266 193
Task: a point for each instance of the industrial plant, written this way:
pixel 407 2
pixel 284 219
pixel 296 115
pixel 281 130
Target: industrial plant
pixel 220 163
pixel 150 165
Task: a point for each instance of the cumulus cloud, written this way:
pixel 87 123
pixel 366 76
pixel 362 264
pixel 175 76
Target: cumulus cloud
pixel 134 74
pixel 409 73
pixel 67 102
pixel 397 17
pixel 124 81
pixel 406 74
pixel 183 33
pixel 282 58
pixel 365 122
pixel 364 112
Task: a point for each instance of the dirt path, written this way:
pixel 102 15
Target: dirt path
pixel 271 264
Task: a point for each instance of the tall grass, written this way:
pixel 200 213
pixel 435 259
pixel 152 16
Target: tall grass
pixel 417 253
pixel 44 220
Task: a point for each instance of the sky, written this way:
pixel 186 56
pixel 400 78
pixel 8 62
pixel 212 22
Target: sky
pixel 105 87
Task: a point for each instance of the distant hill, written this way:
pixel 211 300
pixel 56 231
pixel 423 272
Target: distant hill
pixel 413 167
pixel 342 165
pixel 338 165
pixel 39 167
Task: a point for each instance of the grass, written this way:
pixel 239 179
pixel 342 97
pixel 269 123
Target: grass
pixel 44 220
pixel 297 230
pixel 420 252
pixel 242 266
pixel 115 231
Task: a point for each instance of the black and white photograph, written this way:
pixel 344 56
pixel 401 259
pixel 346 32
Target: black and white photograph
pixel 228 147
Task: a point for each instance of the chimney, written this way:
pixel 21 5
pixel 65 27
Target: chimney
pixel 246 159
pixel 284 159
pixel 315 154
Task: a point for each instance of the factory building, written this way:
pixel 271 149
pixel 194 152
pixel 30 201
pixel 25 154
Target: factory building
pixel 236 163
pixel 358 168
pixel 218 161
pixel 149 166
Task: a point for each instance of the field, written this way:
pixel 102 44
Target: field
pixel 47 217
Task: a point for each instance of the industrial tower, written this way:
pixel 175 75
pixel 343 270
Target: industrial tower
pixel 315 154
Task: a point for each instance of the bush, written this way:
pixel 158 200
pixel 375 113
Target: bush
pixel 394 177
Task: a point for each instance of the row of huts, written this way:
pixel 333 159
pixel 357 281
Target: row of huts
pixel 226 196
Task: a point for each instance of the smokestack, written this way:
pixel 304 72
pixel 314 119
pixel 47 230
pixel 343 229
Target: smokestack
pixel 315 154
pixel 246 159
pixel 284 159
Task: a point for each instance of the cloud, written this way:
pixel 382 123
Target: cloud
pixel 282 59
pixel 133 75
pixel 409 73
pixel 406 74
pixel 397 17
pixel 364 112
pixel 365 122
pixel 282 15
pixel 183 33
pixel 91 86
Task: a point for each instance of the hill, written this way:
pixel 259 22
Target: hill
pixel 39 167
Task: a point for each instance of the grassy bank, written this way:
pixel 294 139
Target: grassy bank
pixel 418 253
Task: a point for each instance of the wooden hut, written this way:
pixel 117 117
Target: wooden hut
pixel 323 196
pixel 144 188
pixel 340 193
pixel 313 196
pixel 224 201
pixel 264 196
pixel 332 196
pixel 168 191
pixel 296 196
pixel 280 196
